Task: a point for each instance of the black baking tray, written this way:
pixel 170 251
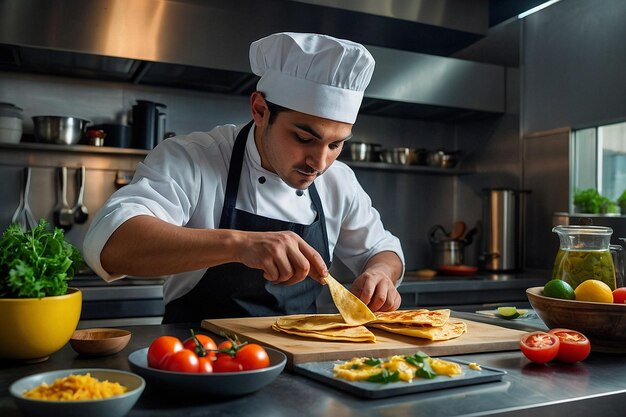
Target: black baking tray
pixel 323 372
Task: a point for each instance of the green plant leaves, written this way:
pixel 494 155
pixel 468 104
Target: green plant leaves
pixel 36 263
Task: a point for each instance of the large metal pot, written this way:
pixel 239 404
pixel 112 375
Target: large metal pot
pixel 59 130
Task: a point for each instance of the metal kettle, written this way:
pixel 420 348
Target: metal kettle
pixel 149 123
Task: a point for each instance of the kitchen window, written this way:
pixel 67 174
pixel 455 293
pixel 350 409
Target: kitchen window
pixel 598 160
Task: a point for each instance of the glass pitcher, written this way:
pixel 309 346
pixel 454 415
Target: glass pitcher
pixel 585 252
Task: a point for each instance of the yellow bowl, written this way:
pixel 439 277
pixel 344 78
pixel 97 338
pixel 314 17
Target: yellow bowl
pixel 34 328
pixel 603 323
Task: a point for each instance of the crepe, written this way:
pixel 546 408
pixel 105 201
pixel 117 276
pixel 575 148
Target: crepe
pixel 353 310
pixel 421 317
pixel 312 322
pixel 341 334
pixel 450 330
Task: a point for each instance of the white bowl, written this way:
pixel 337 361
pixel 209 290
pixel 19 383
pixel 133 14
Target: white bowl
pixel 10 135
pixel 116 406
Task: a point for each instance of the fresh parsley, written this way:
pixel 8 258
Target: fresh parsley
pixel 421 360
pixel 36 263
pixel 385 377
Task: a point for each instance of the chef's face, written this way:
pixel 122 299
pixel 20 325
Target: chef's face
pixel 299 147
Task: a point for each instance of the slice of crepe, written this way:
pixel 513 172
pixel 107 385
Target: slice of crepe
pixel 340 334
pixel 311 322
pixel 353 310
pixel 450 330
pixel 421 317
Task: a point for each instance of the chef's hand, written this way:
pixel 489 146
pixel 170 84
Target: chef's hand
pixel 376 286
pixel 284 257
pixel 377 291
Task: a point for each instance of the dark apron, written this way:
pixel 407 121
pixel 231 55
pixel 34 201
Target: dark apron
pixel 235 290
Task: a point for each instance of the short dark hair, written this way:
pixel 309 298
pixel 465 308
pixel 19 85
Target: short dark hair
pixel 274 110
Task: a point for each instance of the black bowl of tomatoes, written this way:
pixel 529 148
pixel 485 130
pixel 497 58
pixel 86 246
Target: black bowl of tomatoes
pixel 197 366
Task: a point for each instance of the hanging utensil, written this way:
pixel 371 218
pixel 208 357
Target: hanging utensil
pixel 80 210
pixel 23 215
pixel 64 216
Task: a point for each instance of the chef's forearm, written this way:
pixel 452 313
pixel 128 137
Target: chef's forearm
pixel 387 263
pixel 147 246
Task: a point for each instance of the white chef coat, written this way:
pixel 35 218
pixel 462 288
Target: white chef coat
pixel 182 181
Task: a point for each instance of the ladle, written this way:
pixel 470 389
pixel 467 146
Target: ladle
pixel 64 216
pixel 80 210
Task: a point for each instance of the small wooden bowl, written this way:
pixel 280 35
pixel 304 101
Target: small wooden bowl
pixel 100 341
pixel 603 323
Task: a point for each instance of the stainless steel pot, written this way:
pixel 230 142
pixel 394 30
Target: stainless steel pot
pixel 59 130
pixel 362 151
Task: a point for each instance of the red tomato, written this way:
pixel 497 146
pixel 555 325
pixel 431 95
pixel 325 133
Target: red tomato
pixel 205 365
pixel 252 356
pixel 226 363
pixel 207 343
pixel 539 347
pixel 182 361
pixel 225 345
pixel 619 295
pixel 160 348
pixel 573 347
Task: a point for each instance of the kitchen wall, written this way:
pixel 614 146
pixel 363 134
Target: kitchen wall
pixel 409 203
pixel 572 65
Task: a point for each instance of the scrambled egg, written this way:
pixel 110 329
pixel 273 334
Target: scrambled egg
pixel 360 369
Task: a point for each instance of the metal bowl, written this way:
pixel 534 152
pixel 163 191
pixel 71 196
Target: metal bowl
pixel 362 151
pixel 442 159
pixel 59 130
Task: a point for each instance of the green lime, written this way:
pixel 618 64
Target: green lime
pixel 557 288
pixel 510 313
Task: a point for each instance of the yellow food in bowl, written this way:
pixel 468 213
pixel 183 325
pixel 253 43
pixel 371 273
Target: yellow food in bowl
pixel 34 328
pixel 76 387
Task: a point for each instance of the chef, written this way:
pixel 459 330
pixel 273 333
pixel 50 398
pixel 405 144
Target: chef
pixel 245 220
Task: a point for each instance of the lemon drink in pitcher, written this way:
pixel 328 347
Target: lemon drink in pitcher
pixel 585 253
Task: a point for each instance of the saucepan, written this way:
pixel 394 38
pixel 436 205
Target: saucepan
pixel 363 151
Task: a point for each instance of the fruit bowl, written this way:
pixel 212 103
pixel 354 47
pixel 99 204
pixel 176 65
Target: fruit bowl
pixel 603 323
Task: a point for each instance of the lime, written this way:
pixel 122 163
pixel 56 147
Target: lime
pixel 510 313
pixel 594 290
pixel 557 288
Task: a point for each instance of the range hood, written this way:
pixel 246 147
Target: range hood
pixel 203 45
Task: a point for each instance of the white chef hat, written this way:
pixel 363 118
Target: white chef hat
pixel 314 74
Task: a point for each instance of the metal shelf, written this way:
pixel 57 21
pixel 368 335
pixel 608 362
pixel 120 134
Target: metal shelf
pixel 416 169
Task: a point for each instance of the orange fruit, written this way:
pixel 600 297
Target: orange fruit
pixel 594 290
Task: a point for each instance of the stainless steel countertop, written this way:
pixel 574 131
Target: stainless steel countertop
pixel 593 387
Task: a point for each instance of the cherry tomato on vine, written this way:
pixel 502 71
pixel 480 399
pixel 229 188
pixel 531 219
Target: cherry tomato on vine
pixel 226 363
pixel 573 346
pixel 539 347
pixel 252 356
pixel 205 365
pixel 182 361
pixel 207 343
pixel 161 347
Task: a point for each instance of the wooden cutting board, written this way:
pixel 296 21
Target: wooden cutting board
pixel 480 337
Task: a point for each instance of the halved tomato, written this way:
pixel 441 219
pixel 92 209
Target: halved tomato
pixel 539 347
pixel 574 346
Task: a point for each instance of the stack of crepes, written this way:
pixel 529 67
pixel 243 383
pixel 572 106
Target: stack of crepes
pixel 354 318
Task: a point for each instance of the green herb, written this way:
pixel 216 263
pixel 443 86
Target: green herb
pixel 385 377
pixel 421 360
pixel 36 263
pixel 373 362
pixel 591 201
